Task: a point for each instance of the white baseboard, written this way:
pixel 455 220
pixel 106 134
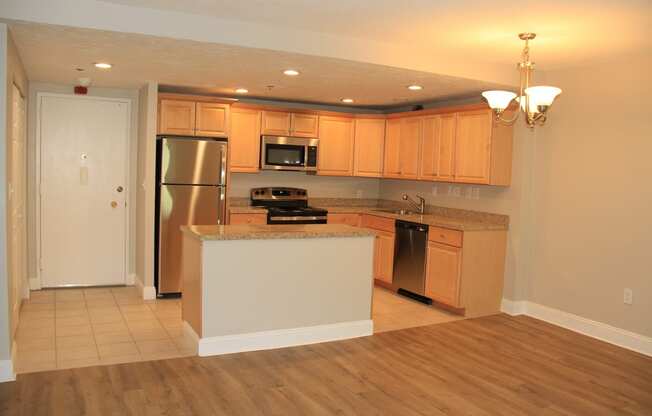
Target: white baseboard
pixel 147 292
pixel 604 332
pixel 282 338
pixel 7 371
pixel 34 283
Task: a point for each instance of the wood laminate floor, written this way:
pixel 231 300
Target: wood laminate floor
pixel 496 365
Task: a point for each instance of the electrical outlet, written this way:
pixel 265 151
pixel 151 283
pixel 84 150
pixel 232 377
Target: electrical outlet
pixel 457 191
pixel 628 296
pixel 358 193
pixel 434 190
pixel 476 192
pixel 450 189
pixel 468 193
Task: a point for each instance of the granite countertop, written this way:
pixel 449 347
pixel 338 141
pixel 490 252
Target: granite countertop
pixel 274 232
pixel 437 220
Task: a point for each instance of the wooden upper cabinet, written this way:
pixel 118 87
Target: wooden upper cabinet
pixel 304 125
pixel 281 123
pixel 244 141
pixel 212 119
pixel 276 123
pixel 392 153
pixel 438 147
pixel 411 131
pixel 473 147
pixel 369 144
pixel 443 273
pixel 335 155
pixel 177 117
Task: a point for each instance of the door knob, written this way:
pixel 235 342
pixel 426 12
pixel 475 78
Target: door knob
pixel 119 189
pixel 114 204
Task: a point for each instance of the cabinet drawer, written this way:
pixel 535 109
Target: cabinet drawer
pixel 348 219
pixel 378 223
pixel 445 236
pixel 235 219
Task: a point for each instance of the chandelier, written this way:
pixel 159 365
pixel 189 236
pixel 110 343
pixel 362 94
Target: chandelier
pixel 533 101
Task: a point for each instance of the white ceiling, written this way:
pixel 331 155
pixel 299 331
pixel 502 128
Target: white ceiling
pixel 571 32
pixel 52 54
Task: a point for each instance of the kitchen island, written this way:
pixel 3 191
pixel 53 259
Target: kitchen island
pixel 253 287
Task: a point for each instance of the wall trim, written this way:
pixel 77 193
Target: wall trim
pixel 147 292
pixel 7 371
pixel 281 338
pixel 131 279
pixel 594 329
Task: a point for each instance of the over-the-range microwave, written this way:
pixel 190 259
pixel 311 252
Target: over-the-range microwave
pixel 288 153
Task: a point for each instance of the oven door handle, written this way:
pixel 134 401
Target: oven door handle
pixel 298 218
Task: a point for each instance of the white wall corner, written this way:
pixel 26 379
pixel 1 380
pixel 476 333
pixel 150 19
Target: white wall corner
pixel 513 307
pixel 282 338
pixel 34 283
pixel 594 329
pixel 7 371
pixel 131 279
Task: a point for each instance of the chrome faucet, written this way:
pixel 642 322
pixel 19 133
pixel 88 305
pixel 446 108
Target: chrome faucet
pixel 421 206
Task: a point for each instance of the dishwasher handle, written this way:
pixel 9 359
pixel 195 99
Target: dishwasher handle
pixel 400 224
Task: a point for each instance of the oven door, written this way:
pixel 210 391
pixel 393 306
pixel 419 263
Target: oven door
pixel 285 153
pixel 283 219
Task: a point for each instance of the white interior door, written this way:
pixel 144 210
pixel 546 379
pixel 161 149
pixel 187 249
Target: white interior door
pixel 83 176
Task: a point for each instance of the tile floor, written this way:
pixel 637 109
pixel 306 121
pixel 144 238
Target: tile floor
pixel 392 312
pixel 66 328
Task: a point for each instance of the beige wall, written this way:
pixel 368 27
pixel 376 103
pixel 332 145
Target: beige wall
pixel 145 180
pixel 513 201
pixel 317 186
pixel 593 195
pixel 34 89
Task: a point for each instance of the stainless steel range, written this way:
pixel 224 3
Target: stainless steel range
pixel 287 206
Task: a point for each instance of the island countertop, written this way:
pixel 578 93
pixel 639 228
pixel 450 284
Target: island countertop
pixel 277 231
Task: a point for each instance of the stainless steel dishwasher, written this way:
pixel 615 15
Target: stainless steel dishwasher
pixel 410 259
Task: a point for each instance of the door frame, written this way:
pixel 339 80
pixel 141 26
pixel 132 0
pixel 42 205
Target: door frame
pixel 37 188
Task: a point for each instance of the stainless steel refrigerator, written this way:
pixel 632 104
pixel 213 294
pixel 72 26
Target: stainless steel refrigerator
pixel 191 190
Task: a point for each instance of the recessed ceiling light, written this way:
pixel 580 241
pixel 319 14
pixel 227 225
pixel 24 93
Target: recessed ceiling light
pixel 347 100
pixel 241 90
pixel 291 72
pixel 103 65
pixel 414 87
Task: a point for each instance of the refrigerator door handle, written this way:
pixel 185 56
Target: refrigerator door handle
pixel 221 214
pixel 223 166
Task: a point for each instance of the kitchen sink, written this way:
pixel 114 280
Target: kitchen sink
pixel 396 211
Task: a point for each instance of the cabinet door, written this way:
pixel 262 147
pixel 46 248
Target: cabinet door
pixel 276 123
pixel 443 273
pixel 239 219
pixel 244 140
pixel 446 151
pixel 429 166
pixel 212 119
pixel 335 156
pixel 304 125
pixel 177 117
pixel 411 132
pixel 473 146
pixel 385 257
pixel 369 144
pixel 392 151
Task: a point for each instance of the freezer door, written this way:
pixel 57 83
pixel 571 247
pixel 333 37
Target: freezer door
pixel 183 205
pixel 192 161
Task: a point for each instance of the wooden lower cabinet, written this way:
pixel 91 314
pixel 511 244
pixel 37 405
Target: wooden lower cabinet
pixel 236 219
pixel 344 218
pixel 384 257
pixel 443 273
